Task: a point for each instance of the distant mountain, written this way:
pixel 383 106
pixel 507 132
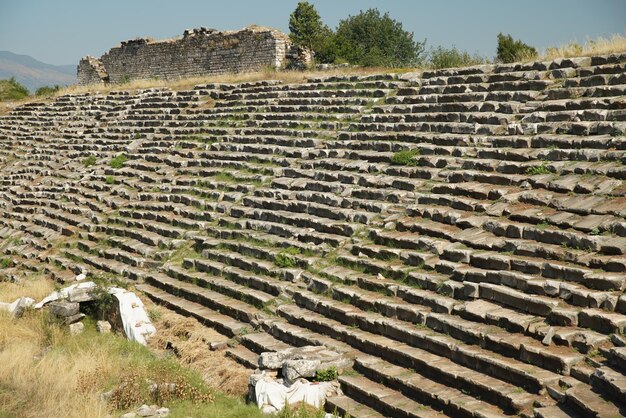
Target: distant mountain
pixel 34 74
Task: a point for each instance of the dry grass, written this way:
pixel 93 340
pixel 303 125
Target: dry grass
pixel 48 372
pixel 191 340
pixel 35 382
pixel 37 288
pixel 288 77
pixel 600 46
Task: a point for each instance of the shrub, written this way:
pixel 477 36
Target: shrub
pixel 538 170
pixel 47 90
pixel 109 180
pixel 118 162
pixel 510 50
pixel 12 90
pixel 89 161
pixel 406 157
pixel 285 258
pixel 372 39
pixel 441 57
pixel 326 375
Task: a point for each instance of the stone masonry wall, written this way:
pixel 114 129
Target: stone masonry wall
pixel 199 52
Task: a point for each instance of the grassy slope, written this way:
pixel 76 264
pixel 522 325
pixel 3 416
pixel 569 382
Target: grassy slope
pixel 47 372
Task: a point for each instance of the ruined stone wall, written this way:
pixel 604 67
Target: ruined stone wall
pixel 199 52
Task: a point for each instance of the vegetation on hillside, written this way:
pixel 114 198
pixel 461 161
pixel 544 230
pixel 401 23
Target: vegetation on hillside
pixel 47 90
pixel 511 50
pixel 442 57
pixel 368 38
pixel 12 90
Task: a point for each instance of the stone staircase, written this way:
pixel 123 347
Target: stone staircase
pixel 483 277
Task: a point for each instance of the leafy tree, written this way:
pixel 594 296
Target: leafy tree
pixel 372 39
pixel 510 50
pixel 441 57
pixel 307 30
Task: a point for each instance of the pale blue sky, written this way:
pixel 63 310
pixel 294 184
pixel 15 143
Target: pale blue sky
pixel 62 31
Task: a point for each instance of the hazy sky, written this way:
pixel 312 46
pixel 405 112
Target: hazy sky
pixel 62 31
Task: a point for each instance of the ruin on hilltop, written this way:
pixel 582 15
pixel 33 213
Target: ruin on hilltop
pixel 199 52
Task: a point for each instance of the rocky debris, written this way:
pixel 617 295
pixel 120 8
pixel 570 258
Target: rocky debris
pixel 17 308
pixel 296 366
pixel 147 411
pixel 77 328
pixel 319 355
pixel 103 327
pixel 63 308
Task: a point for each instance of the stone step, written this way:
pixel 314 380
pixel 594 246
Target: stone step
pixel 450 400
pixel 213 300
pixel 262 342
pixel 588 403
pixel 345 406
pixel 221 323
pixel 438 368
pixel 243 356
pixel 384 400
pixel 472 356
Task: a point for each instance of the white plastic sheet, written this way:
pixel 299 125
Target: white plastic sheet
pixel 137 324
pixel 272 396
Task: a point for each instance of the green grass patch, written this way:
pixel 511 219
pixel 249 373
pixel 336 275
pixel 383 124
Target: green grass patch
pixel 326 375
pixel 406 157
pixel 286 258
pixel 118 162
pixel 538 170
pixel 89 161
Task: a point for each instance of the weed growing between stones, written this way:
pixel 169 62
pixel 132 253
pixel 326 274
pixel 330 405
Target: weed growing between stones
pixel 406 157
pixel 118 162
pixel 89 161
pixel 538 170
pixel 326 375
pixel 286 259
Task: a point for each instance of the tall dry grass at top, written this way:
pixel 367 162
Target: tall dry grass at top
pixel 599 46
pixel 286 76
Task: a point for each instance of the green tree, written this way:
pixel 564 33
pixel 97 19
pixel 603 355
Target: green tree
pixel 372 39
pixel 441 57
pixel 307 30
pixel 511 50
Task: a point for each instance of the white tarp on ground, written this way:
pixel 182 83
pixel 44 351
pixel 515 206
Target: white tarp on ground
pixel 272 396
pixel 66 292
pixel 137 324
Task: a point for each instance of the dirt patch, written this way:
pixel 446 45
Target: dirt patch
pixel 190 340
